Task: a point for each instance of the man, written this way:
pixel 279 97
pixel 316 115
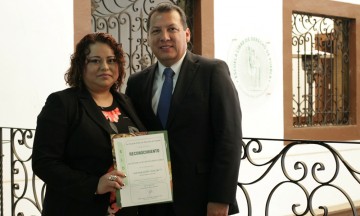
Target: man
pixel 203 121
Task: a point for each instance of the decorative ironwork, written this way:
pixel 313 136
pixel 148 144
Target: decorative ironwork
pixel 297 177
pixel 320 70
pixel 23 183
pixel 126 21
pixel 21 166
pixel 283 179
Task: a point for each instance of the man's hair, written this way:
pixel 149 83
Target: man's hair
pixel 73 76
pixel 166 7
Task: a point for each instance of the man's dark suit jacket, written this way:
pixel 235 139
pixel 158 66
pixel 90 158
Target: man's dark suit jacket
pixel 204 129
pixel 72 150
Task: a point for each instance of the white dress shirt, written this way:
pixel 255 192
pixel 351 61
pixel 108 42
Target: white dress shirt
pixel 159 79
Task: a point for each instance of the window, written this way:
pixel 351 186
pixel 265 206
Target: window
pixel 320 67
pixel 321 70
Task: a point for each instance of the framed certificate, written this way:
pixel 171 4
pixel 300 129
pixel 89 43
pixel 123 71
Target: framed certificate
pixel 145 159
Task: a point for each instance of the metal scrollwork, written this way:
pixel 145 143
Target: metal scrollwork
pixel 318 44
pixel 126 21
pixel 283 179
pixel 312 181
pixel 23 188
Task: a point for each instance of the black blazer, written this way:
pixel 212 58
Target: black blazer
pixel 204 129
pixel 72 150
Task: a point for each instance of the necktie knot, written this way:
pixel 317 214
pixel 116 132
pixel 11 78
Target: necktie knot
pixel 169 73
pixel 165 96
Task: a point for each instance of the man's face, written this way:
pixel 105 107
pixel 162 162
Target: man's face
pixel 167 37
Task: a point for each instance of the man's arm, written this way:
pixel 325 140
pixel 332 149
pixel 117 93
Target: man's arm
pixel 226 122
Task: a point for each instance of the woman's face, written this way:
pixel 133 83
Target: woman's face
pixel 101 68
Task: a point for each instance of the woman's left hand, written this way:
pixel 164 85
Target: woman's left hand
pixel 110 182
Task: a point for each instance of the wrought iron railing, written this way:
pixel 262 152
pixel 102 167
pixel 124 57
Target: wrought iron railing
pixel 277 176
pixel 305 177
pixel 20 191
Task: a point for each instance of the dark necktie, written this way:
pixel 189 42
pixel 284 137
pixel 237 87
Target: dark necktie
pixel 165 97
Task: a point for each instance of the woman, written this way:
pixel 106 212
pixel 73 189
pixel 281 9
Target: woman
pixel 72 150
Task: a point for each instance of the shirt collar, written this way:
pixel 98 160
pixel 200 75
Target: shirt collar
pixel 175 67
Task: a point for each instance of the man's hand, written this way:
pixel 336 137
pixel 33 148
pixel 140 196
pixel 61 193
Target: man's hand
pixel 217 209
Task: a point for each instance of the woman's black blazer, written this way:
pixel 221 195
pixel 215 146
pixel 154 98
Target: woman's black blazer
pixel 72 150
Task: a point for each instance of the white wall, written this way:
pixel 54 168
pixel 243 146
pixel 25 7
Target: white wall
pixel 244 28
pixel 36 41
pixel 253 19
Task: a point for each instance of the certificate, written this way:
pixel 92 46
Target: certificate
pixel 144 158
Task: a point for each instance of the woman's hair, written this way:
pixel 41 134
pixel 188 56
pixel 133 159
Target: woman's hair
pixel 166 7
pixel 73 76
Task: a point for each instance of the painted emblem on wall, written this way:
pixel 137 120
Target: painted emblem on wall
pixel 250 65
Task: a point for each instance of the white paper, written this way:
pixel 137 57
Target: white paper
pixel 145 161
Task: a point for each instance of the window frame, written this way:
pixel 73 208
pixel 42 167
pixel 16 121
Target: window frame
pixel 326 8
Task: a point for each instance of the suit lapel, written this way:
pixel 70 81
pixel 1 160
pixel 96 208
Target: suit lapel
pixel 125 105
pixel 187 73
pixel 148 89
pixel 93 111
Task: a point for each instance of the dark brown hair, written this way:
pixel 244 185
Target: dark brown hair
pixel 73 76
pixel 166 7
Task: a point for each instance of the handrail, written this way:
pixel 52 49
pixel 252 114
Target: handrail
pixel 299 176
pixel 262 177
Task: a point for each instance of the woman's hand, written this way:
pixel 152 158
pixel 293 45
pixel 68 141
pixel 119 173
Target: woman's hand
pixel 217 209
pixel 110 182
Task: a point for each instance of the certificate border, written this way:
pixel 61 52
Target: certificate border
pixel 119 156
